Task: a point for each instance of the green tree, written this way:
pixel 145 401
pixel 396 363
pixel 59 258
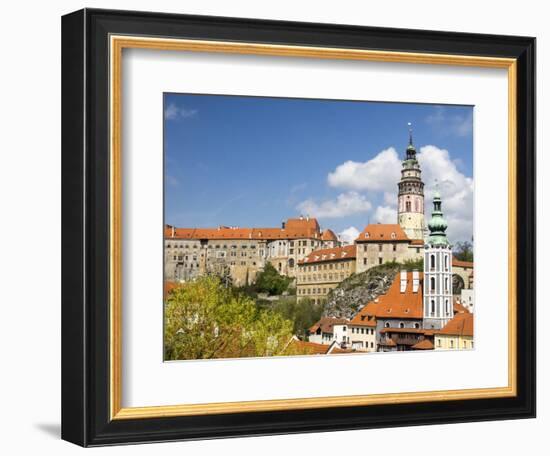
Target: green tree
pixel 464 251
pixel 205 320
pixel 411 265
pixel 271 282
pixel 303 314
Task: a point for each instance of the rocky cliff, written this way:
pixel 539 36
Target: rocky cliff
pixel 359 289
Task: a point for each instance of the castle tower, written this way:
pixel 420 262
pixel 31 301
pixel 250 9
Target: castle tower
pixel 438 285
pixel 410 199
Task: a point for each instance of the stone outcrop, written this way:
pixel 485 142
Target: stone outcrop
pixel 359 289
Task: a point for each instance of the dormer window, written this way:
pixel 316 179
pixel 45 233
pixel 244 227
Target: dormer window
pixel 393 235
pixel 367 235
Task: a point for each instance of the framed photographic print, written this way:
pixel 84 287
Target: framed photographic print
pixel 275 227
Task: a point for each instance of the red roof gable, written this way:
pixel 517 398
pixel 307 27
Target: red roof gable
pixel 382 232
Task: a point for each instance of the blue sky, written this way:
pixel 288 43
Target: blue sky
pixel 255 161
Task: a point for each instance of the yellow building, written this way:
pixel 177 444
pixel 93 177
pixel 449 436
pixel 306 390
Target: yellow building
pixel 322 270
pixel 458 334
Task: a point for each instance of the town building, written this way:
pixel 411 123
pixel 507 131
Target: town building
pixel 457 334
pixel 438 298
pixel 322 332
pixel 241 253
pixel 322 270
pixel 384 243
pixel 397 314
pixel 467 299
pixel 362 333
pixel 463 276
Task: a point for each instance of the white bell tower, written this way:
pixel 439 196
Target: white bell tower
pixel 438 285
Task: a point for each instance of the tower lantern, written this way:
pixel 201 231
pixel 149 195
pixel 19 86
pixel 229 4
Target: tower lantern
pixel 410 199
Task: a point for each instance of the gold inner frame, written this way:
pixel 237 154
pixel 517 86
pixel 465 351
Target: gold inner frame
pixel 117 44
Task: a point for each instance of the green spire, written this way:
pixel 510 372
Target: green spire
pixel 437 224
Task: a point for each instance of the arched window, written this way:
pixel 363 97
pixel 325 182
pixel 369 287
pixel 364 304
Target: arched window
pixel 291 263
pixel 447 306
pixel 432 261
pixel 417 325
pixel 446 262
pixel 432 283
pixel 408 206
pixel 432 307
pixel 386 325
pixel 446 284
pixel 401 325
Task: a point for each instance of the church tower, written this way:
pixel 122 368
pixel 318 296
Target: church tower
pixel 410 199
pixel 438 286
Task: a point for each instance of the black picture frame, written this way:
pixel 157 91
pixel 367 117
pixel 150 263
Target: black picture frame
pixel 85 228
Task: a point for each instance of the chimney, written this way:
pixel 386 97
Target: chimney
pixel 416 281
pixel 301 217
pixel 403 281
pixel 173 231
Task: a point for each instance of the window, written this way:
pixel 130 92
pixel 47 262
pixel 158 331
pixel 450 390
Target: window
pixel 432 283
pixel 452 343
pixel 446 262
pixel 379 260
pixel 364 261
pixel 432 307
pixel 432 261
pixel 394 246
pixel 401 325
pixel 417 325
pixel 379 247
pixel 386 325
pixel 439 343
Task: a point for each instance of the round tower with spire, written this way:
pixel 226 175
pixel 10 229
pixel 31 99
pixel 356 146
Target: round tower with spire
pixel 410 197
pixel 438 302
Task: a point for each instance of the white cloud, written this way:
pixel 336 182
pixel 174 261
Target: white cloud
pixel 385 214
pixel 457 191
pixel 345 204
pixel 381 173
pixel 447 123
pixel 174 112
pixel 348 235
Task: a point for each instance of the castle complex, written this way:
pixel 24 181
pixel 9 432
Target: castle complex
pixel 418 304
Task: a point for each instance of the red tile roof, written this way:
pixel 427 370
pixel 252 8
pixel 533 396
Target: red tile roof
pixel 306 228
pixel 328 235
pixel 336 253
pixel 462 264
pixel 459 308
pixel 169 286
pixel 326 324
pixel 310 348
pixel 462 324
pixel 395 304
pixel 363 320
pixel 379 232
pixel 424 344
